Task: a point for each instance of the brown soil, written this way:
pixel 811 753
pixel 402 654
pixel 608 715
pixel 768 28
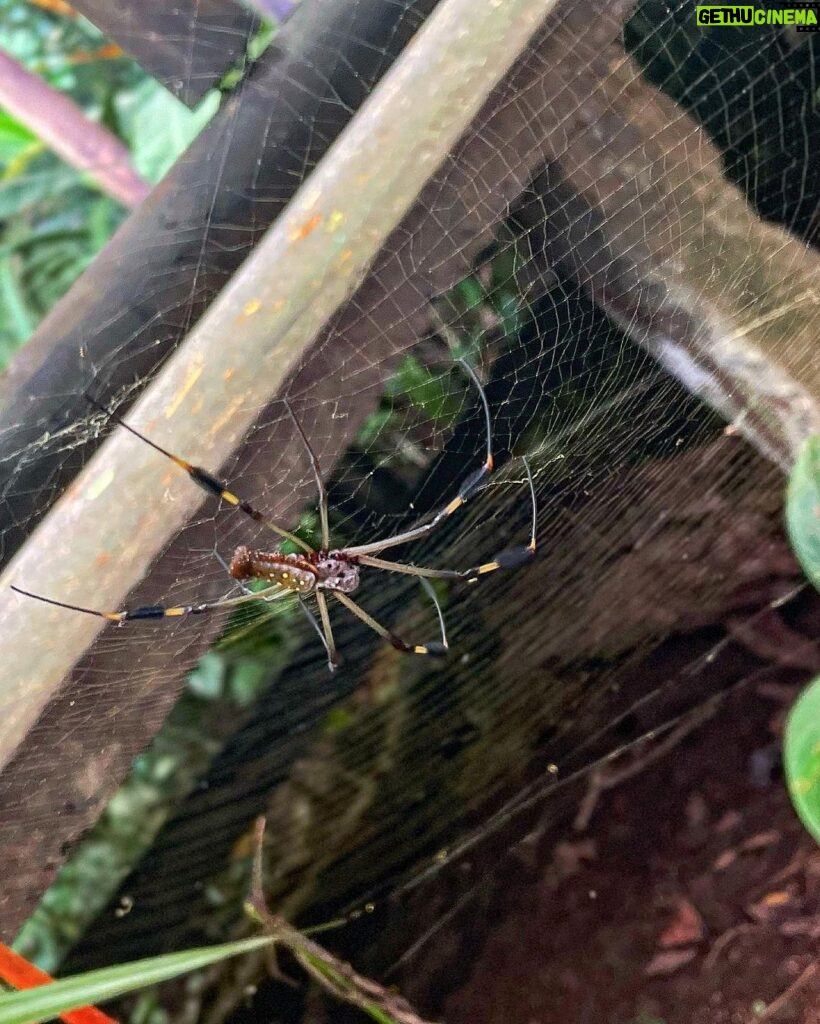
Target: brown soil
pixel 693 897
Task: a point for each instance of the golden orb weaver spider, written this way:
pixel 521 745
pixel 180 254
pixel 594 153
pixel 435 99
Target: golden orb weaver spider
pixel 317 573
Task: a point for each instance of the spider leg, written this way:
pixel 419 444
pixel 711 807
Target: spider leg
pixel 409 570
pixel 436 649
pixel 511 558
pixel 330 645
pixel 331 663
pixel 320 486
pixel 238 585
pixel 466 491
pixel 159 611
pixel 205 480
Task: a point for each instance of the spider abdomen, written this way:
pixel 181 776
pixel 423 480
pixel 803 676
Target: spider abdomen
pixel 293 572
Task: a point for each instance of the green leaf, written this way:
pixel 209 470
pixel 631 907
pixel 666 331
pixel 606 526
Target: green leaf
pixel 801 757
pixel 15 138
pixel 428 391
pixel 801 741
pixel 803 509
pixel 470 292
pixel 17 195
pixel 13 302
pixel 158 127
pixel 47 1001
pixel 208 678
pixel 246 680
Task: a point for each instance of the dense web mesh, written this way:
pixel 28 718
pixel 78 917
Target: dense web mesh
pixel 622 246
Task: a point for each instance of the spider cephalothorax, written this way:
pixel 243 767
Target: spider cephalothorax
pixel 337 571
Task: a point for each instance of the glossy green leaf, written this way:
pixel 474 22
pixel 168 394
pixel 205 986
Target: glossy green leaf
pixel 801 741
pixel 47 1001
pixel 803 509
pixel 801 757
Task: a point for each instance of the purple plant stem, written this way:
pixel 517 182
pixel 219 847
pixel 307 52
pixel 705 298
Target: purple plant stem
pixel 276 9
pixel 63 127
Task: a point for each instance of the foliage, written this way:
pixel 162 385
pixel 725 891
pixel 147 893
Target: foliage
pixel 46 1001
pixel 803 509
pixel 490 297
pixel 54 220
pixel 158 127
pixel 801 751
pixel 801 756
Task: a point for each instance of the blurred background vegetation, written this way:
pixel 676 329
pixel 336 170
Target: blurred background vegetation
pixel 53 218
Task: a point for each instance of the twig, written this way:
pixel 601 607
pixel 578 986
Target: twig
pixel 332 974
pixel 608 776
pixel 773 1008
pixel 722 941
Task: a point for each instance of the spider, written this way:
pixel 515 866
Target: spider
pixel 326 571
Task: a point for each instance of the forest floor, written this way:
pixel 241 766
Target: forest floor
pixel 691 897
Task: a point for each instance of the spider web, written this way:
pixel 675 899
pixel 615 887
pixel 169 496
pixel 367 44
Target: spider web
pixel 634 185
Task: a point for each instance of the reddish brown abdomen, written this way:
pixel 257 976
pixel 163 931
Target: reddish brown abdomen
pixel 289 571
